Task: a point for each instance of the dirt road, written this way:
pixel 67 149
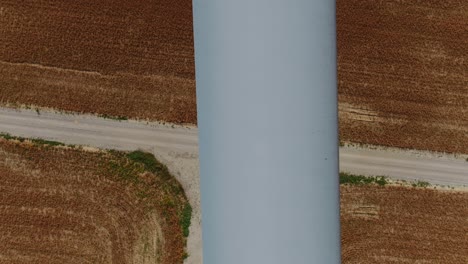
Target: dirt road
pixel 182 141
pixel 405 165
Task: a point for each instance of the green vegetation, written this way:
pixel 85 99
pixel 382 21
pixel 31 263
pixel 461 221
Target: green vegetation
pixel 118 118
pixel 172 197
pixel 37 141
pixel 10 137
pixel 422 184
pixel 128 172
pixel 46 142
pixel 351 179
pixel 150 163
pixel 185 219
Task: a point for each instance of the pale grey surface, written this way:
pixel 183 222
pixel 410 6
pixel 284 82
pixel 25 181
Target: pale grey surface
pixel 267 117
pixel 178 148
pixel 435 168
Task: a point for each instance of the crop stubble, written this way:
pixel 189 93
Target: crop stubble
pixel 119 58
pixel 403 77
pixel 403 225
pixel 402 65
pixel 61 205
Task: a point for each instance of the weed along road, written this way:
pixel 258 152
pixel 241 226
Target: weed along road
pixel 181 142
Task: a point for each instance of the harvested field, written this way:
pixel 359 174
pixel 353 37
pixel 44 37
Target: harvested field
pixel 156 97
pixel 67 205
pixel 403 78
pixel 402 65
pixel 403 225
pixel 141 37
pixel 132 58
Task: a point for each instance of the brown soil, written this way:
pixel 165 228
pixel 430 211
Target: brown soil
pixel 403 225
pixel 107 36
pixel 402 65
pixel 130 58
pixel 61 205
pixel 157 97
pixel 403 73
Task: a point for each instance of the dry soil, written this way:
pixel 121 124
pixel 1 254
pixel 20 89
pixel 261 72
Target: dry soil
pixel 62 205
pixel 403 225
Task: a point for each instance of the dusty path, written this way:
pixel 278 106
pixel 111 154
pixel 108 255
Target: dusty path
pixel 178 147
pixel 406 165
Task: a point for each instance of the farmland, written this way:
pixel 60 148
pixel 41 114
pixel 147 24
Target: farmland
pixel 66 204
pixel 163 98
pixel 403 225
pixel 132 58
pixel 403 77
pixel 401 65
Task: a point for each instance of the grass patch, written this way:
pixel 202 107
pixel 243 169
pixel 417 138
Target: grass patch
pixel 150 163
pixel 128 172
pixel 36 141
pixel 171 203
pixel 9 137
pixel 186 218
pixel 118 118
pixel 46 142
pixel 421 184
pixel 351 179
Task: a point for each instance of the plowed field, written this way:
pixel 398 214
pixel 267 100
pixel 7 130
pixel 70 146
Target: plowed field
pixel 61 205
pixel 403 73
pixel 403 77
pixel 403 225
pixel 118 58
